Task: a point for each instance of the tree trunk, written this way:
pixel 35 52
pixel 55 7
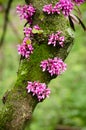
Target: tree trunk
pixel 18 104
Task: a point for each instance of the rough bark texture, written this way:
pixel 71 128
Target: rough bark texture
pixel 19 105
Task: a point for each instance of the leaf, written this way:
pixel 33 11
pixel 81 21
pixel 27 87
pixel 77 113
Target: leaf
pixel 74 18
pixel 35 31
pixel 82 24
pixel 71 23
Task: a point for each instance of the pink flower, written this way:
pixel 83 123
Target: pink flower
pixel 25 49
pixel 26 12
pixel 54 66
pixel 36 27
pixel 48 8
pixel 38 89
pixel 27 31
pixel 56 9
pixel 44 65
pixel 56 39
pixel 66 6
pixel 51 10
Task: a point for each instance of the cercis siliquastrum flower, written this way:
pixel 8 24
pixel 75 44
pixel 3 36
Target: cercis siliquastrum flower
pixel 54 66
pixel 38 89
pixel 26 12
pixel 27 31
pixel 56 39
pixel 25 49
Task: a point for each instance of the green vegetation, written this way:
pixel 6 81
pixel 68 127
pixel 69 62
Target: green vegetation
pixel 67 103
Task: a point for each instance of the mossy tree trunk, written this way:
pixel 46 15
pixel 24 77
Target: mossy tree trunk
pixel 18 104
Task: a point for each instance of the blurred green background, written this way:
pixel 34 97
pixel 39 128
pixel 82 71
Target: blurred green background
pixel 67 103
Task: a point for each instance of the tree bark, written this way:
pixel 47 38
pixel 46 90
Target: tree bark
pixel 18 104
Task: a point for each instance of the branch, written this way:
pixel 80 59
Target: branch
pixel 5 21
pixel 18 104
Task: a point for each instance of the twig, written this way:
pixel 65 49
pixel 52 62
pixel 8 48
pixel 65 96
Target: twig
pixel 5 21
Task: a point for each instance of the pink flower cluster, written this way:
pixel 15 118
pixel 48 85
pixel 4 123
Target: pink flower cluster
pixel 54 66
pixel 56 39
pixel 27 31
pixel 26 12
pixel 38 89
pixel 25 49
pixel 36 27
pixel 48 8
pixel 64 6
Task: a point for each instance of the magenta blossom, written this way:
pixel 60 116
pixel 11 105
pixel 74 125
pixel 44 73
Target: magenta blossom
pixel 66 6
pixel 38 89
pixel 26 12
pixel 25 49
pixel 54 66
pixel 48 8
pixel 36 27
pixel 27 31
pixel 56 39
pixel 56 9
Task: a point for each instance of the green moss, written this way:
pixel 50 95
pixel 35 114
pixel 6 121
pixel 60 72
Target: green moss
pixel 5 116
